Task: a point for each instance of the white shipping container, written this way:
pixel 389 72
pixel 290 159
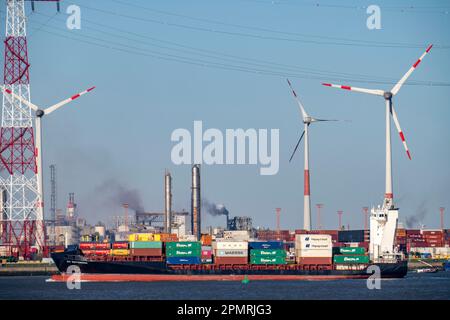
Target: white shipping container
pixel 313 241
pixel 314 253
pixel 240 235
pixel 231 253
pixel 242 245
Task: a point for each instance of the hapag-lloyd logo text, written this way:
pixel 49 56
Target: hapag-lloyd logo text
pixel 229 148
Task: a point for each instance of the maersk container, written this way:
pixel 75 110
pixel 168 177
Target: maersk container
pixel 146 245
pixel 265 245
pixel 231 253
pixel 182 252
pixel 352 250
pixel 183 260
pixel 350 259
pixel 267 260
pixel 268 252
pixel 184 245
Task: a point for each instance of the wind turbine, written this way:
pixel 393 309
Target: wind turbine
pixel 388 95
pixel 307 120
pixel 39 114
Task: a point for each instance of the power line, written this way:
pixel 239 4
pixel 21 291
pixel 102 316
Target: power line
pixel 244 67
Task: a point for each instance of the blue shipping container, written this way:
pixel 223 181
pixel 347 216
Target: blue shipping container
pixel 183 260
pixel 266 245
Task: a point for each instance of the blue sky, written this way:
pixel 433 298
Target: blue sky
pixel 122 130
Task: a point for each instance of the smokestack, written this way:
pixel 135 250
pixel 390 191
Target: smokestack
pixel 167 202
pixel 196 202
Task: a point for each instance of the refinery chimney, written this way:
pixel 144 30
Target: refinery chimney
pixel 196 202
pixel 167 202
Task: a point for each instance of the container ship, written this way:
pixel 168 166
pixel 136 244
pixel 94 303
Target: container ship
pixel 162 257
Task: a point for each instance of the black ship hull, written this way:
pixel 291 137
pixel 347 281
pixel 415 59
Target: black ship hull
pixel 93 266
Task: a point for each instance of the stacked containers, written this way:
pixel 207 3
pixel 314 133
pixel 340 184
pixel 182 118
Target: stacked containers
pixel 351 255
pixel 313 248
pixel 231 252
pixel 146 248
pixel 144 237
pixel 267 252
pixel 433 238
pixel 206 254
pixel 186 252
pixel 95 248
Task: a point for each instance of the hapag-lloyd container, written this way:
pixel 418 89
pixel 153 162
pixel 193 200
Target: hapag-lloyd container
pixel 265 245
pixel 350 259
pixel 183 260
pixel 313 241
pixel 184 245
pixel 268 252
pixel 231 253
pixel 237 245
pixel 183 252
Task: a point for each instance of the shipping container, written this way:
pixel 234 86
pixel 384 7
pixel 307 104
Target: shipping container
pixel 140 237
pixel 120 252
pixel 206 260
pixel 267 260
pixel 184 245
pixel 268 252
pixel 153 252
pixel 183 252
pixel 206 239
pixel 87 245
pixel 146 245
pixel 120 245
pixel 265 245
pixel 102 252
pixel 314 253
pixel 88 252
pixel 231 260
pixel 206 253
pixel 239 245
pixel 183 260
pixel 352 250
pixel 351 236
pixel 350 259
pixel 314 260
pixel 231 253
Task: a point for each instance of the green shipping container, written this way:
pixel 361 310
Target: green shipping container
pixel 146 245
pixel 268 253
pixel 350 259
pixel 267 260
pixel 193 245
pixel 352 250
pixel 183 252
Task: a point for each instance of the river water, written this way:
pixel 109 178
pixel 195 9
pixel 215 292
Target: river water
pixel 413 286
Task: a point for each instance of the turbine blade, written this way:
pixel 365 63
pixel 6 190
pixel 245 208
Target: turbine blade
pixel 295 149
pixel 24 101
pixel 317 120
pixel 64 102
pixel 400 83
pixel 302 110
pixel 356 89
pixel 400 132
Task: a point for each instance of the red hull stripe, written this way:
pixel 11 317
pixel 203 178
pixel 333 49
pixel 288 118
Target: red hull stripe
pixel 155 277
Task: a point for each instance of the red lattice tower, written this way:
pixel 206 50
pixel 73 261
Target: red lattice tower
pixel 22 227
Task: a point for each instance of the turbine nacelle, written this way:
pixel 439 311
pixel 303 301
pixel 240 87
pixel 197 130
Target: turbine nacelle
pixel 388 95
pixel 40 113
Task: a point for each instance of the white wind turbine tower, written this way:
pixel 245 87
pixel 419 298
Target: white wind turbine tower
pixel 307 120
pixel 39 114
pixel 383 220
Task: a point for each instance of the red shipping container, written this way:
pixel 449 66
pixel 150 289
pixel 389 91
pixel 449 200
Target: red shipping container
pixel 102 245
pixel 104 252
pixel 412 231
pixel 120 245
pixel 434 232
pixel 314 260
pixel 231 260
pixel 87 245
pixel 88 252
pixel 150 252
